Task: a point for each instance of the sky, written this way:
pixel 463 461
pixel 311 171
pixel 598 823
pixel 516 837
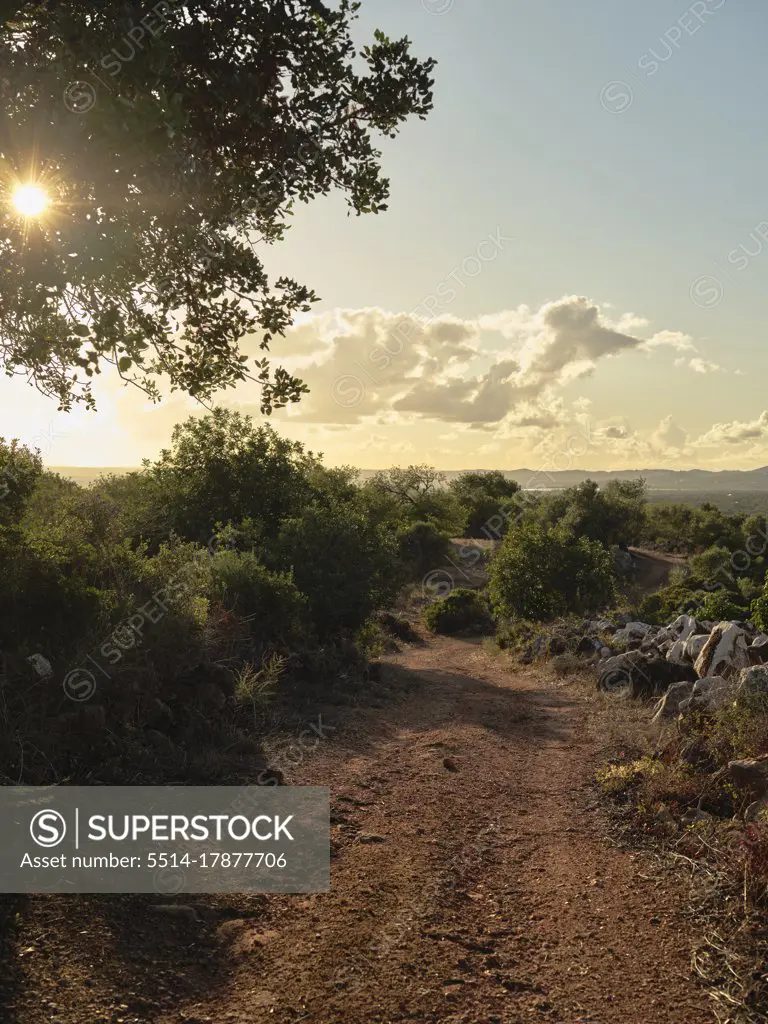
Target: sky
pixel 571 272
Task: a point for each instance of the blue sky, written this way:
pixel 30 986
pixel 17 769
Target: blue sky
pixel 618 149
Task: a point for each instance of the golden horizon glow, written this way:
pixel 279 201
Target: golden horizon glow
pixel 30 200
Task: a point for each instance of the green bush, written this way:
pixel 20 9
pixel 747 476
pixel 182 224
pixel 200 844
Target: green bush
pixel 270 602
pixel 720 606
pixel 421 548
pixel 685 528
pixel 663 606
pixel 343 563
pixel 461 611
pixel 609 515
pixel 759 612
pixel 540 574
pixel 221 469
pixel 487 502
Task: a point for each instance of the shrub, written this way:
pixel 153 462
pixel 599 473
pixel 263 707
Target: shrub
pixel 541 573
pixel 666 604
pixel 395 626
pixel 422 548
pixel 486 500
pixel 720 606
pixel 20 470
pixel 610 515
pixel 709 565
pixel 461 611
pixel 759 610
pixel 221 469
pixel 518 635
pixel 269 601
pixel 43 606
pixel 344 564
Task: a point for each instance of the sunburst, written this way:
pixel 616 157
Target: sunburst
pixel 30 200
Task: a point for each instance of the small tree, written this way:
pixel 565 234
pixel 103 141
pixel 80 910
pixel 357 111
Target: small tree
pixel 418 494
pixel 486 499
pixel 20 470
pixel 542 573
pixel 610 516
pixel 344 564
pixel 222 469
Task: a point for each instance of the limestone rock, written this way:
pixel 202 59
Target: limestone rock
pixel 694 645
pixel 758 650
pixel 724 653
pixel 685 626
pixel 676 653
pixel 638 674
pixel 708 694
pixel 669 705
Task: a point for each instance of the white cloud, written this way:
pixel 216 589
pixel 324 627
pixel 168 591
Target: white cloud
pixel 668 435
pixel 370 364
pixel 702 366
pixel 670 339
pixel 735 432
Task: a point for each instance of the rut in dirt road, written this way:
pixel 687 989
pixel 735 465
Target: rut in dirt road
pixel 471 880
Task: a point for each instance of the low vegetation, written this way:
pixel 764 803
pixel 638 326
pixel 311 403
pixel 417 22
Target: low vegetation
pixel 150 622
pixel 462 611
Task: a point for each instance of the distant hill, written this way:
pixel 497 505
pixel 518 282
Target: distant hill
pixel 699 480
pixel 657 479
pixel 85 475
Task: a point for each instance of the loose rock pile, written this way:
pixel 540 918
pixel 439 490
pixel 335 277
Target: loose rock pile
pixel 689 665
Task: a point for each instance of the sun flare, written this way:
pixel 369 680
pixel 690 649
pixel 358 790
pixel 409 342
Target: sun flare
pixel 30 200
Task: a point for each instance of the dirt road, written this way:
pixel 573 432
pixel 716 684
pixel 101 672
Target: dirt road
pixel 471 883
pixel 471 879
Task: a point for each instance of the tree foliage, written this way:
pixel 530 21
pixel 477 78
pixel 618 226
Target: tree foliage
pixel 486 499
pixel 688 529
pixel 541 573
pixel 173 140
pixel 222 469
pixel 20 470
pixel 611 515
pixel 461 611
pixel 417 494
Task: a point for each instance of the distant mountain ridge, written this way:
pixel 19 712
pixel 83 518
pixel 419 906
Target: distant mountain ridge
pixel 657 479
pixel 722 481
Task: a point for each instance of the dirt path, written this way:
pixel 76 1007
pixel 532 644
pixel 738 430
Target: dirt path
pixel 652 568
pixel 471 881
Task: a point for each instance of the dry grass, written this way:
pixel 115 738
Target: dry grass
pixel 651 784
pixel 654 780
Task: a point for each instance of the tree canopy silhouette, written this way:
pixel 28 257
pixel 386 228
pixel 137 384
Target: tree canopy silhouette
pixel 172 141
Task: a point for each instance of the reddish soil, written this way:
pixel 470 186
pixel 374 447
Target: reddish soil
pixel 472 882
